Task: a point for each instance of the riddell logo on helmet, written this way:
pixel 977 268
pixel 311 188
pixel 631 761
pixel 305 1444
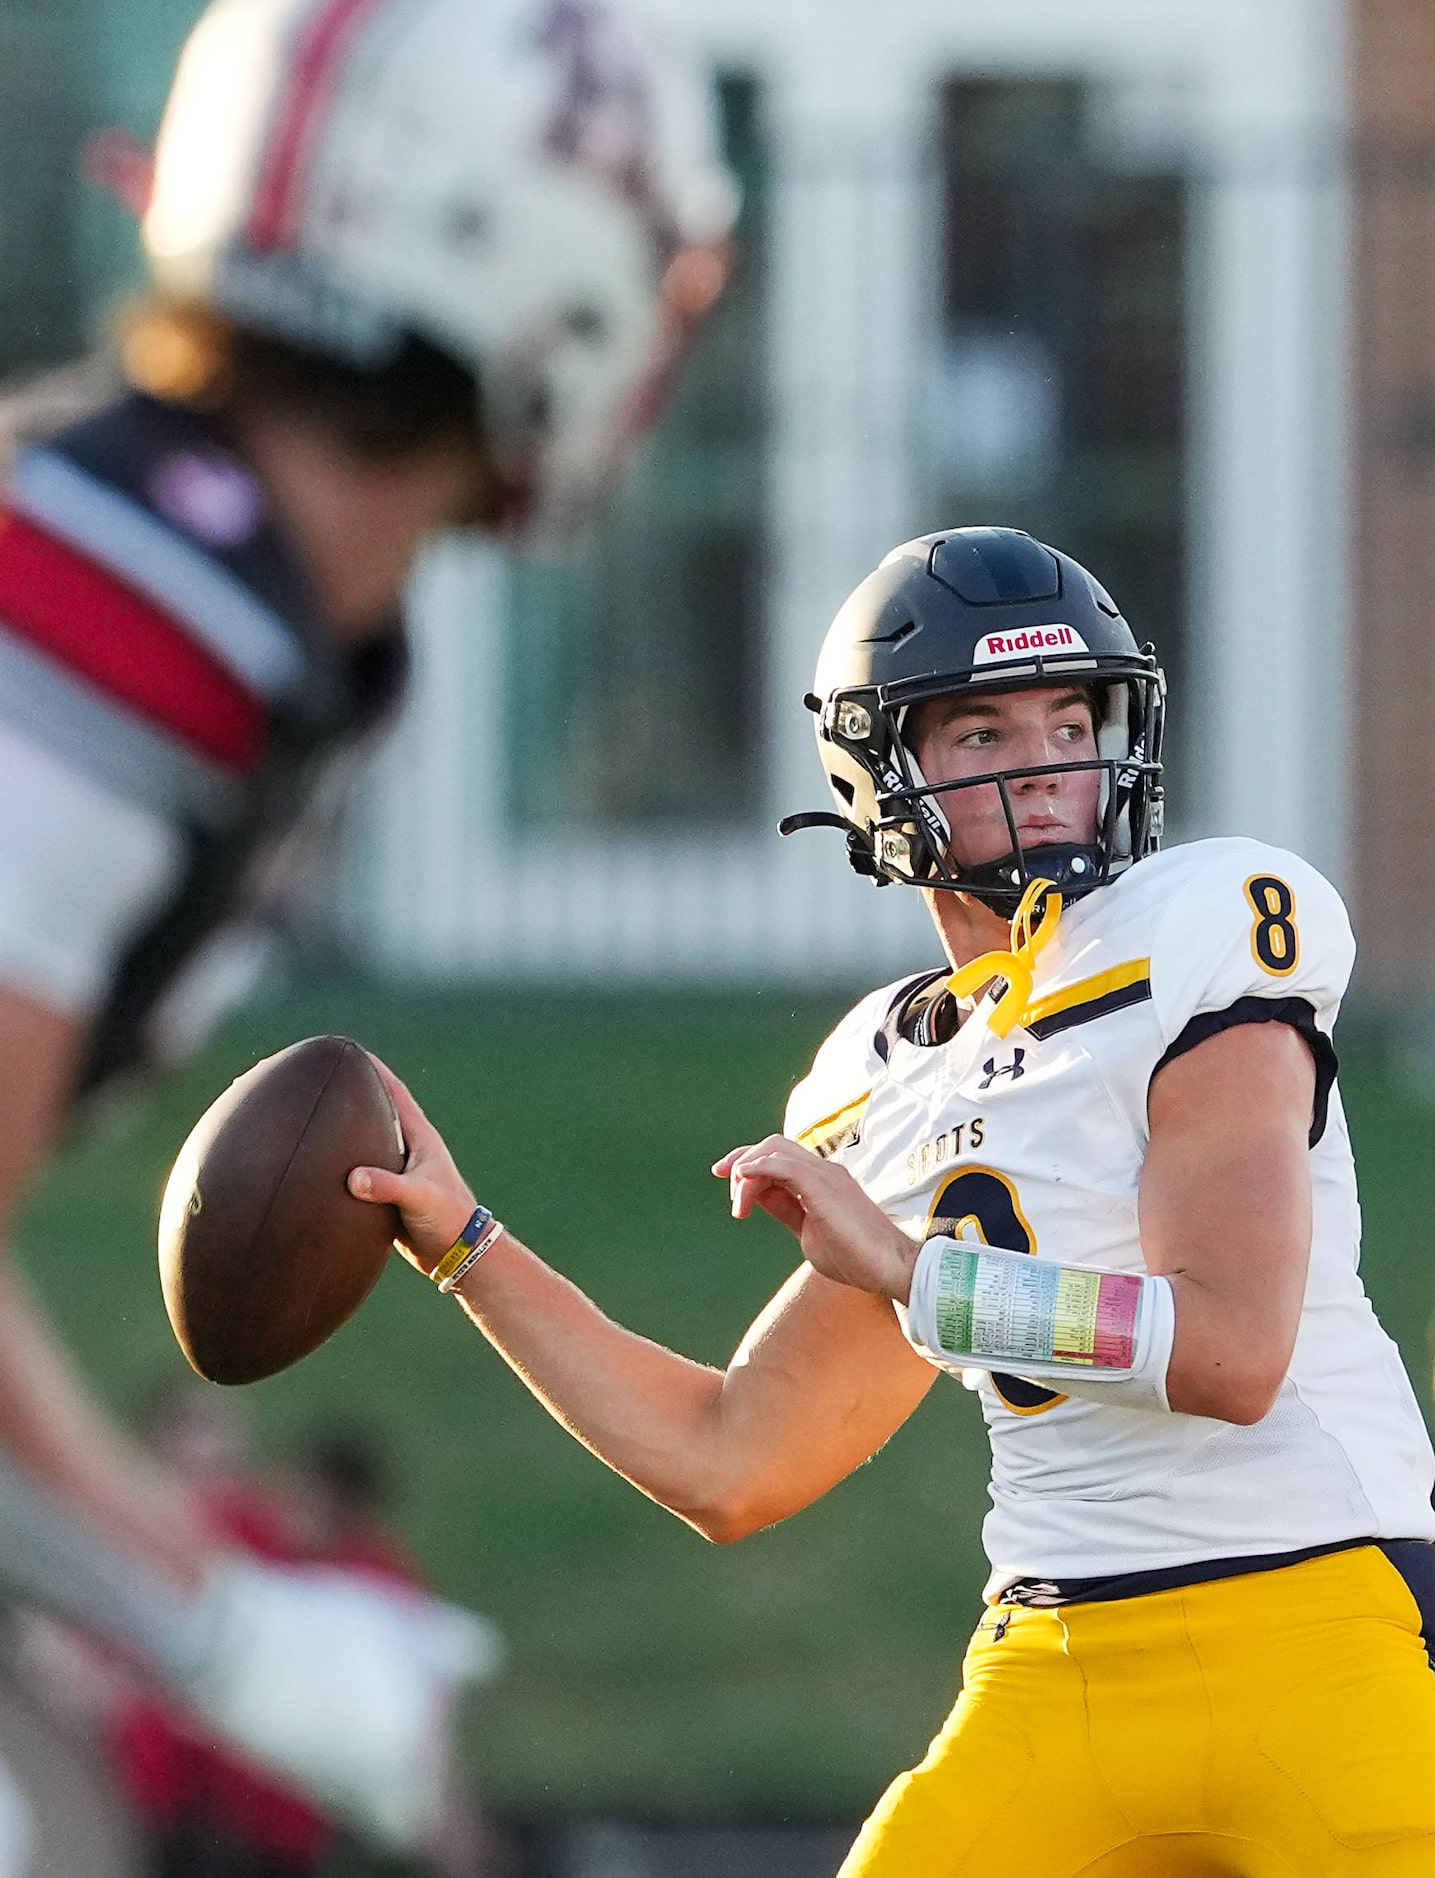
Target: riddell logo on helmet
pixel 1040 639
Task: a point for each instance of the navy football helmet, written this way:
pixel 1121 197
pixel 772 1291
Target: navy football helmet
pixel 982 610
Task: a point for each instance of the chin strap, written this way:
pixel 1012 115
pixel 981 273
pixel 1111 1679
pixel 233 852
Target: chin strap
pixel 1033 926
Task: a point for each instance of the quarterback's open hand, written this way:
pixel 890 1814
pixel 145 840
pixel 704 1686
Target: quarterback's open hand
pixel 843 1234
pixel 433 1198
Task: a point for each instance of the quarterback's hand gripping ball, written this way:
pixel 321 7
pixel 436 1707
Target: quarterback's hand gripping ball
pixel 432 1198
pixel 263 1251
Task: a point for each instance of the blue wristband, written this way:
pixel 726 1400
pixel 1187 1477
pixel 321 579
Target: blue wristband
pixel 471 1244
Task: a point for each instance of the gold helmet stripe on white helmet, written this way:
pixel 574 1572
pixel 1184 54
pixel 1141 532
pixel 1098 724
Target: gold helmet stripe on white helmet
pixel 532 185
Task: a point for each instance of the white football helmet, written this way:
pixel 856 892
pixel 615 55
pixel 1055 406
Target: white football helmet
pixel 532 185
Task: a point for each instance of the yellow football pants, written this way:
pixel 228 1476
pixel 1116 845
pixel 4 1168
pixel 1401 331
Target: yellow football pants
pixel 1279 1725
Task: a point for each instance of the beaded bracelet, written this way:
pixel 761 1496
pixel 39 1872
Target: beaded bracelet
pixel 469 1247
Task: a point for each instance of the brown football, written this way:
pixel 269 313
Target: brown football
pixel 263 1251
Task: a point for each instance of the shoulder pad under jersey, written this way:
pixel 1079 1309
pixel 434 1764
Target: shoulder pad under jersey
pixel 1242 919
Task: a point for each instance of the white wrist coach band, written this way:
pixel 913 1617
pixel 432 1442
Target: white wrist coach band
pixel 1101 1334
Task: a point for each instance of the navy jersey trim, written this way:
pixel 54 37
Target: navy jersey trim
pixel 924 1012
pixel 1414 1559
pixel 908 1003
pixel 1298 1013
pixel 1138 992
pixel 1051 1593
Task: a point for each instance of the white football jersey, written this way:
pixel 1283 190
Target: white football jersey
pixel 1036 1143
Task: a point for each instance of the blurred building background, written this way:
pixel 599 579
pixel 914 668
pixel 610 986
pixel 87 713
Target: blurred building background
pixel 1088 269
pixel 1152 281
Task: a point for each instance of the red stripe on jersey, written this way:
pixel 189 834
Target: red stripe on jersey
pixel 101 630
pixel 273 219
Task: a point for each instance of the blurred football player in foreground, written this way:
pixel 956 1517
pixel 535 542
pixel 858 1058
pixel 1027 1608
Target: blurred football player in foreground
pixel 1096 1166
pixel 415 263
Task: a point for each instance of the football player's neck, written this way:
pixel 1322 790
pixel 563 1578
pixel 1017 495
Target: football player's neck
pixel 967 927
pixel 356 524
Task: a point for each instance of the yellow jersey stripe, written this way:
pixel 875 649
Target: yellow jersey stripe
pixel 1088 990
pixel 835 1130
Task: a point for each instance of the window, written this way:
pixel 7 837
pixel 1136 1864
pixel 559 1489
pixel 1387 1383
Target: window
pixel 632 674
pixel 1059 397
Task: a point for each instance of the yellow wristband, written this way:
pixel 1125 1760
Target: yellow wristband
pixel 463 1247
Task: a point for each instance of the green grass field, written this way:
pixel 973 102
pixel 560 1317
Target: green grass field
pixel 784 1678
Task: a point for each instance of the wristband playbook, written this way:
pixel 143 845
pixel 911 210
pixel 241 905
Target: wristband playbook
pixel 1089 1332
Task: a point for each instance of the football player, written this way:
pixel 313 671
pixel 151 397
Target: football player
pixel 412 263
pixel 1095 1166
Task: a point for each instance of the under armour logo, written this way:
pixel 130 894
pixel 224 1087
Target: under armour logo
pixel 1012 1069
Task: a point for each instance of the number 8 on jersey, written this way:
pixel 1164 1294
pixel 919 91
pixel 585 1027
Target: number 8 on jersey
pixel 1274 939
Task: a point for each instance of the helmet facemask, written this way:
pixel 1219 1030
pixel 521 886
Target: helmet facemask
pixel 908 834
